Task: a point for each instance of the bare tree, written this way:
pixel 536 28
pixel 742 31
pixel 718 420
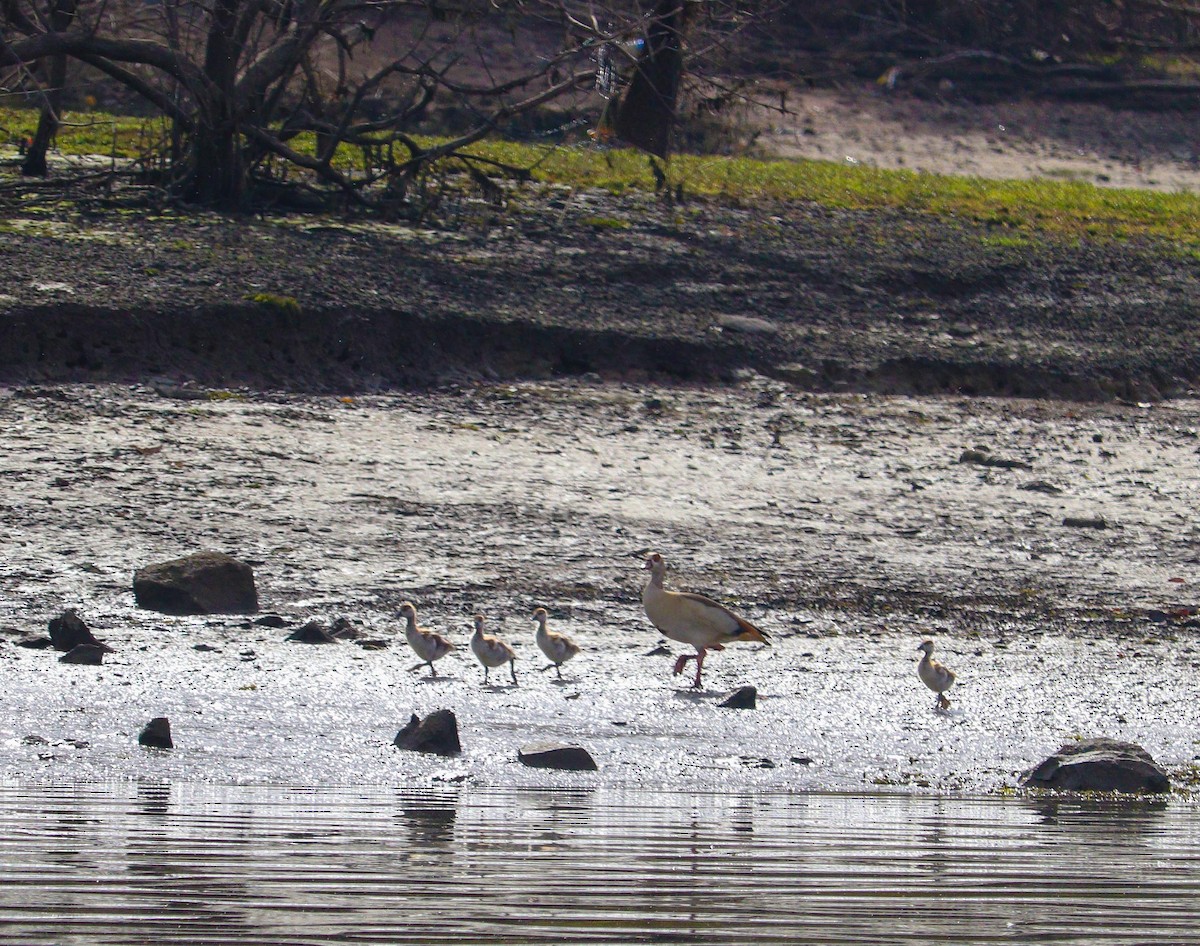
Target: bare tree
pixel 253 84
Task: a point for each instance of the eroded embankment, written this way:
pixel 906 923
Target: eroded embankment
pixel 829 301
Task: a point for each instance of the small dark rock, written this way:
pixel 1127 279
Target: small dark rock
pixel 206 648
pixel 36 643
pixel 203 583
pixel 84 654
pixel 35 740
pixel 742 698
pixel 314 632
pixel 157 734
pixel 343 630
pixel 1085 522
pixel 271 620
pixel 555 755
pixel 802 759
pixel 436 733
pixel 68 631
pixel 372 644
pixel 1099 765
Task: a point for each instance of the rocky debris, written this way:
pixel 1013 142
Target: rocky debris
pixel 557 755
pixel 156 734
pixel 1099 765
pixel 89 654
pixel 436 733
pixel 1085 522
pixel 983 458
pixel 314 632
pixel 742 698
pixel 343 630
pixel 271 620
pixel 36 643
pixel 373 643
pixel 68 631
pixel 203 583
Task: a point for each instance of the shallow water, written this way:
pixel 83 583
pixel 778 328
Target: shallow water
pixel 165 863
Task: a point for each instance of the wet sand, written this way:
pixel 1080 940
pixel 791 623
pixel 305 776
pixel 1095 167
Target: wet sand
pixel 849 527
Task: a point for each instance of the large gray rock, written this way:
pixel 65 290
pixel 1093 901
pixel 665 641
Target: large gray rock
pixel 1099 765
pixel 436 733
pixel 203 583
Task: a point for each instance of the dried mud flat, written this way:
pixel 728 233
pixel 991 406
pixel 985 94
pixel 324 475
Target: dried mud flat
pixel 849 526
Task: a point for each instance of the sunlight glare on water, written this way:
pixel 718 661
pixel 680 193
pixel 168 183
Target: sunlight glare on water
pixel 160 863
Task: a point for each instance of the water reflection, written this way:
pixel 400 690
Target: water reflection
pixel 164 864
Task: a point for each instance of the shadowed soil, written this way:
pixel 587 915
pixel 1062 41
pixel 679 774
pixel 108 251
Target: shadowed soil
pixel 623 287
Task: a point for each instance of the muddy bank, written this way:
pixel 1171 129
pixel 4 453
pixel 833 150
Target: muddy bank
pixel 624 288
pixel 848 527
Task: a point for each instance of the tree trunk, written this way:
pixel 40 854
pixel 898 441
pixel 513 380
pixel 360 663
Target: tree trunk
pixel 216 174
pixel 34 164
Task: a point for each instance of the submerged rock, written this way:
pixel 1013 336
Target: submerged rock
pixel 1099 765
pixel 436 733
pixel 203 583
pixel 157 734
pixel 742 698
pixel 68 631
pixel 556 755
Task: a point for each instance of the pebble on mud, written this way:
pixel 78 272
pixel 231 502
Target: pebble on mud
pixel 156 734
pixel 742 698
pixel 89 654
pixel 312 633
pixel 1085 522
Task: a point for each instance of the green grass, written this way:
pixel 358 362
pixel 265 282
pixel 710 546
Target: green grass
pixel 1016 210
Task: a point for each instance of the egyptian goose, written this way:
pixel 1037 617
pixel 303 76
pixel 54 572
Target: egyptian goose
pixel 934 675
pixel 427 645
pixel 491 651
pixel 693 619
pixel 557 647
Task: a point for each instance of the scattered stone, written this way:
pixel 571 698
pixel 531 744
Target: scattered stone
pixel 271 620
pixel 757 762
pixel 557 755
pixel 157 734
pixel 982 458
pixel 68 631
pixel 92 655
pixel 1041 486
pixel 203 583
pixel 372 644
pixel 802 759
pixel 1099 765
pixel 1085 522
pixel 436 733
pixel 206 648
pixel 35 740
pixel 36 643
pixel 343 630
pixel 314 632
pixel 747 325
pixel 742 698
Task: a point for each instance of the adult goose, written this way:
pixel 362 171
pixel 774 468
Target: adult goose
pixel 427 645
pixel 934 675
pixel 693 619
pixel 491 651
pixel 558 648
